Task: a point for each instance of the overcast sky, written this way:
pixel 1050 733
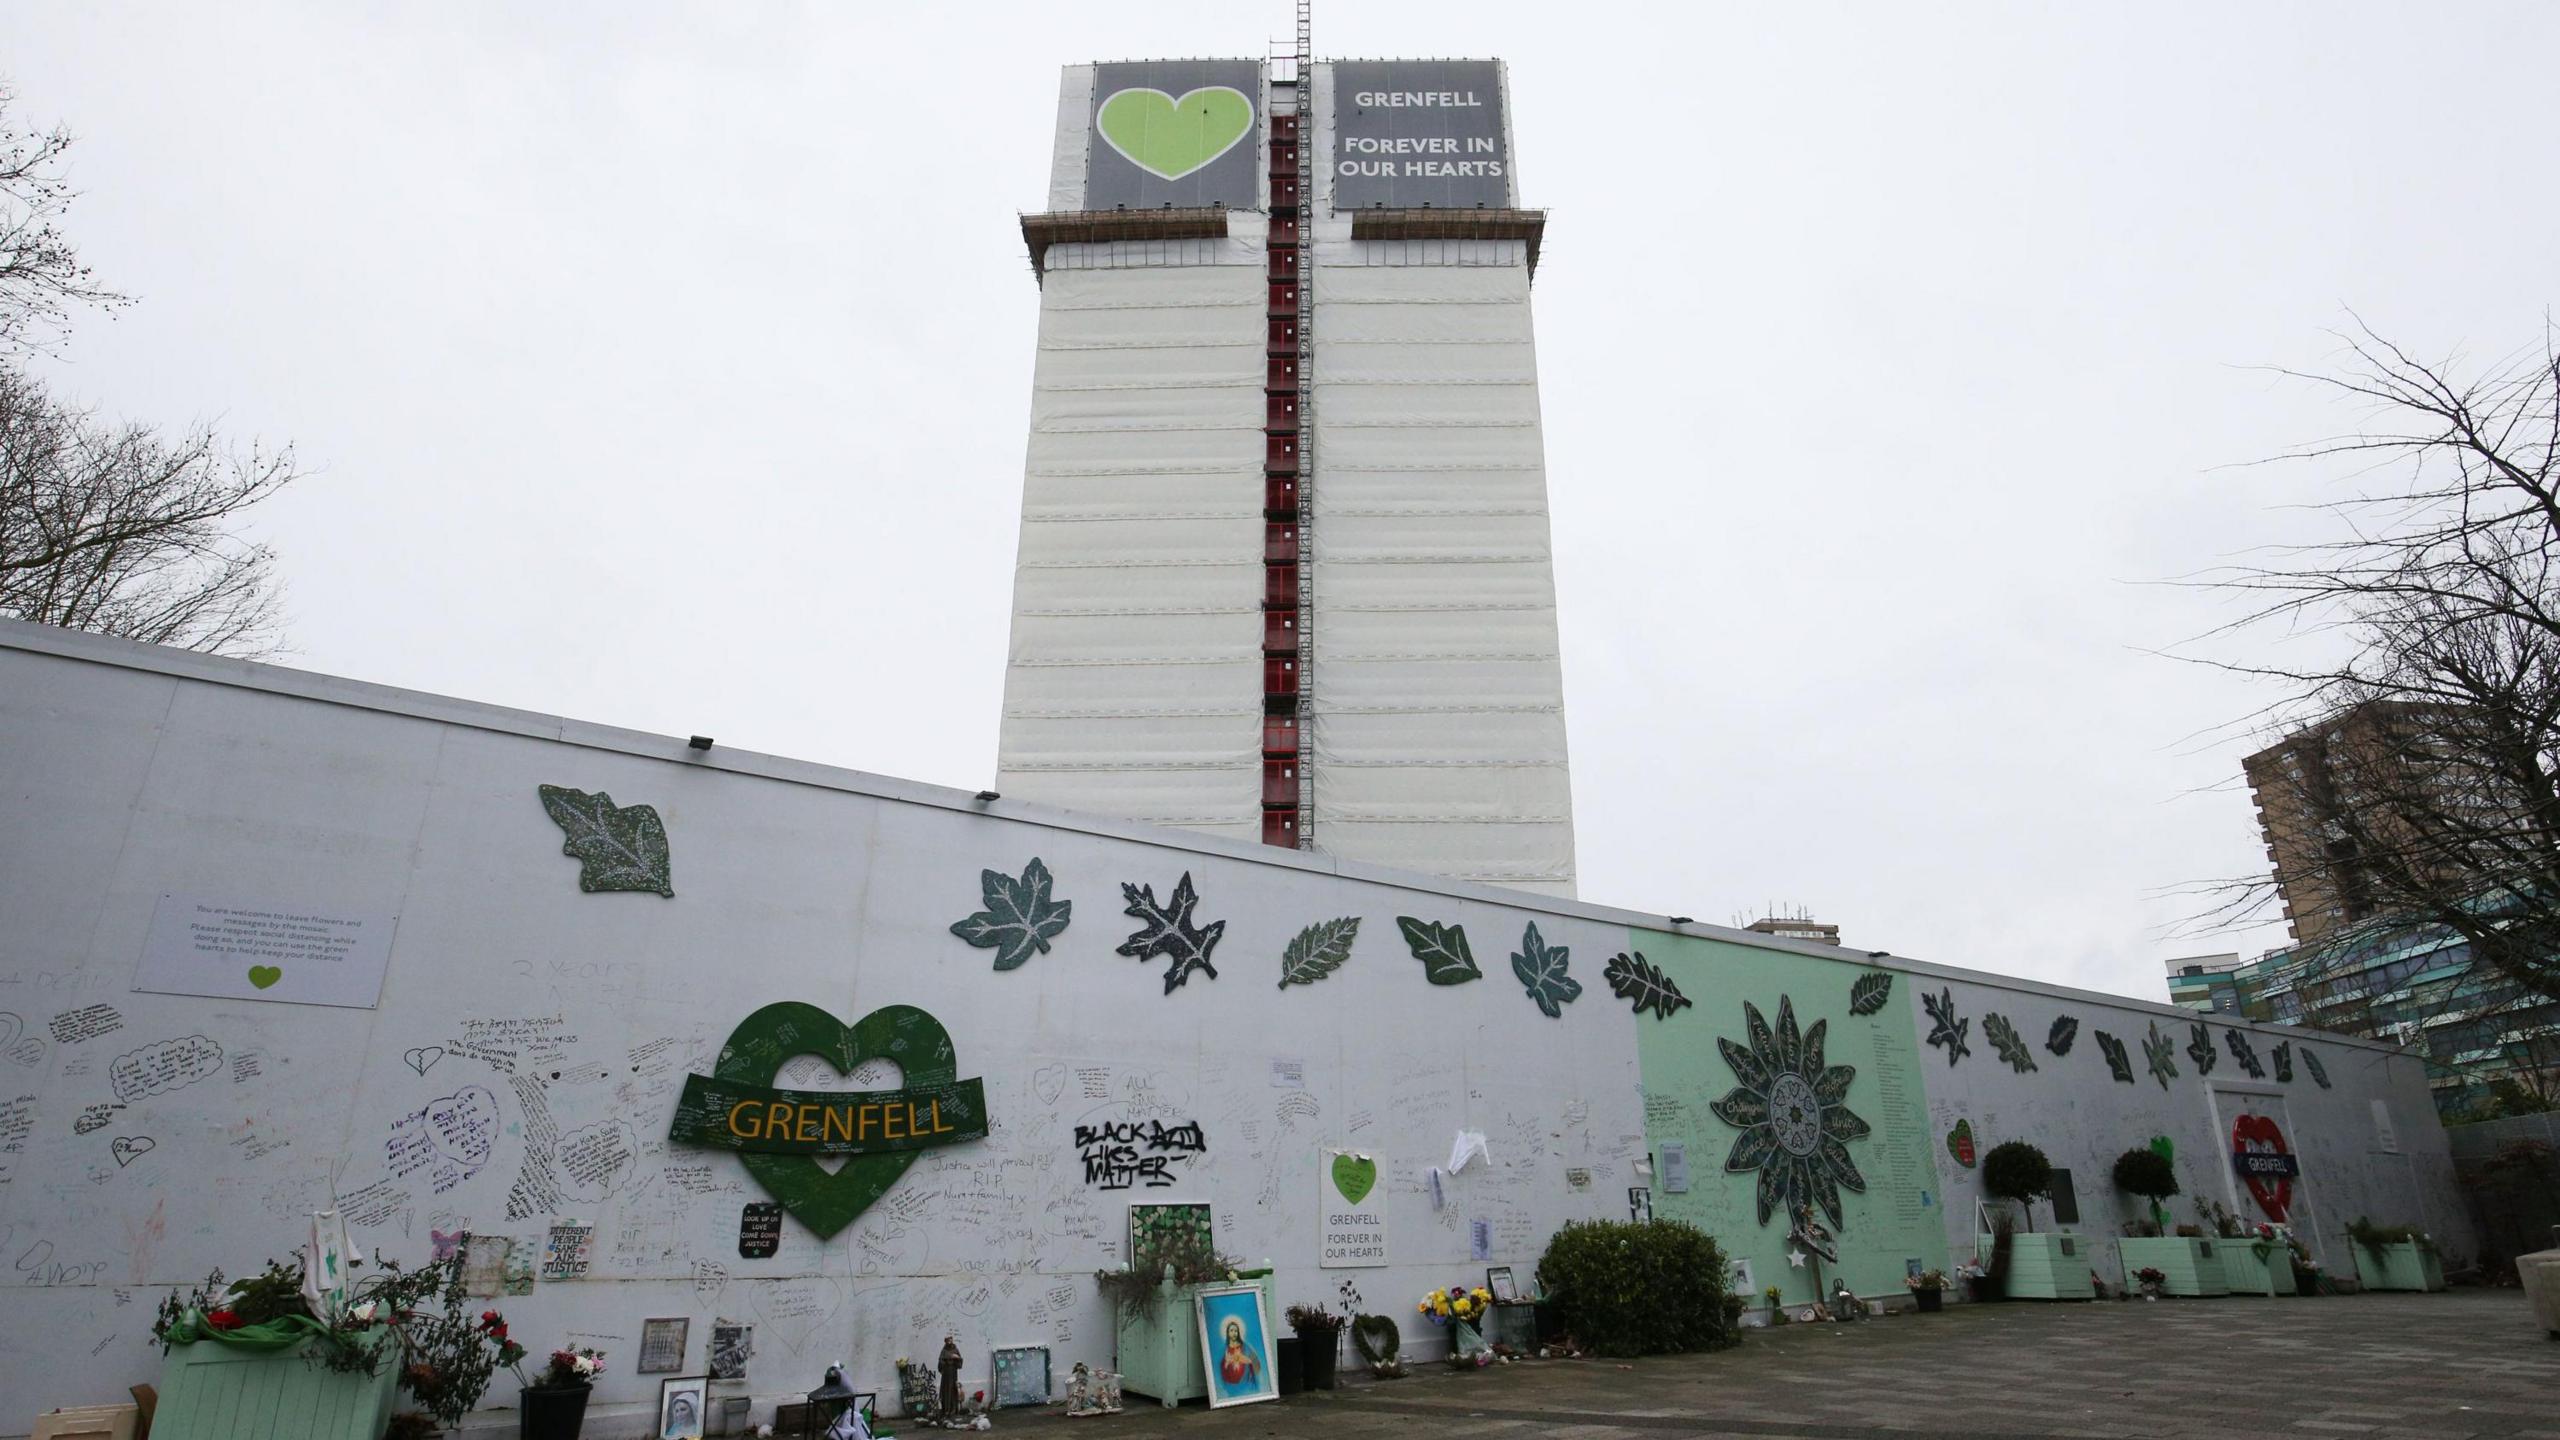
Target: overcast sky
pixel 670 367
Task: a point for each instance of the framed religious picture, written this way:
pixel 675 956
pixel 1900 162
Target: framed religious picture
pixel 1506 1291
pixel 681 1405
pixel 1235 1341
pixel 662 1345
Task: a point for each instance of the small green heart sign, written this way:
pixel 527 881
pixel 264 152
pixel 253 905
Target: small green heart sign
pixel 780 1133
pixel 263 976
pixel 1352 1177
pixel 1171 137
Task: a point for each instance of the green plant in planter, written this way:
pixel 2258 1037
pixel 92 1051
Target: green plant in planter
pixel 2375 1237
pixel 2146 1172
pixel 1135 1291
pixel 2016 1170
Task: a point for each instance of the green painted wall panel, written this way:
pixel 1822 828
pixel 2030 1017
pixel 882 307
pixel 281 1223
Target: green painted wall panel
pixel 1895 1217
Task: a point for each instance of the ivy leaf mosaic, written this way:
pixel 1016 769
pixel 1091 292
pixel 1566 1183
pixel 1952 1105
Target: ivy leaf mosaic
pixel 2242 1051
pixel 1442 949
pixel 2284 1062
pixel 1632 977
pixel 1869 994
pixel 1946 1028
pixel 1318 951
pixel 1792 1110
pixel 1167 930
pixel 2113 1049
pixel 1020 918
pixel 618 847
pixel 2319 1072
pixel 2006 1040
pixel 1540 967
pixel 2200 1049
pixel 2159 1052
pixel 2058 1039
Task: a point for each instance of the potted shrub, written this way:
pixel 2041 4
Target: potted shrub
pixel 553 1405
pixel 2030 1266
pixel 1639 1287
pixel 1319 1333
pixel 2395 1257
pixel 2187 1261
pixel 1928 1290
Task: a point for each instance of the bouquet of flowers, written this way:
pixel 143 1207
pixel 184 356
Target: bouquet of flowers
pixel 1927 1280
pixel 1456 1303
pixel 571 1365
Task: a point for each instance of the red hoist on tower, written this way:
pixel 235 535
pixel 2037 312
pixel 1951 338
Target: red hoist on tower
pixel 1288 590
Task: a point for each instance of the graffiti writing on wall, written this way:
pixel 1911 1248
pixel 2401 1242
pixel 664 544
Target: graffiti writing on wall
pixel 1125 1155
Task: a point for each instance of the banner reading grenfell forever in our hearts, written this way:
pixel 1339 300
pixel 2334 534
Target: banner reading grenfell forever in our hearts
pixel 1411 133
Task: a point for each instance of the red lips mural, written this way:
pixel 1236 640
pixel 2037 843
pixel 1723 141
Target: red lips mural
pixel 2259 1135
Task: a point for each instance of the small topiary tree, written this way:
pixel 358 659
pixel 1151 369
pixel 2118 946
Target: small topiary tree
pixel 2146 1172
pixel 1646 1288
pixel 2016 1170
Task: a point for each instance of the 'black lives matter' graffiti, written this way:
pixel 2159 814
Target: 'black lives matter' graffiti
pixel 1125 1155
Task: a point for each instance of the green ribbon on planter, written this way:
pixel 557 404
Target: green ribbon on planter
pixel 282 1333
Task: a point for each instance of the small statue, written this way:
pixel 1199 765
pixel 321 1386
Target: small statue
pixel 950 1367
pixel 1080 1392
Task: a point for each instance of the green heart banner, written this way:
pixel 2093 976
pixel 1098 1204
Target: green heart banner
pixel 1170 136
pixel 737 1108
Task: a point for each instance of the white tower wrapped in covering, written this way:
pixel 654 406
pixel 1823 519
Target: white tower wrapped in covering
pixel 1284 567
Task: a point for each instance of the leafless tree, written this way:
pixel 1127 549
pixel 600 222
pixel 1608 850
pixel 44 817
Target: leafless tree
pixel 2418 781
pixel 105 526
pixel 41 277
pixel 121 530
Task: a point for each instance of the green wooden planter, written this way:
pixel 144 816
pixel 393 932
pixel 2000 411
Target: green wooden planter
pixel 2193 1266
pixel 2045 1267
pixel 2403 1266
pixel 1160 1346
pixel 211 1391
pixel 2250 1275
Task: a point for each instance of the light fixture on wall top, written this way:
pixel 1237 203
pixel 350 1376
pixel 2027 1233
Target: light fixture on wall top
pixel 699 742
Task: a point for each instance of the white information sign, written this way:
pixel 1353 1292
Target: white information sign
pixel 248 951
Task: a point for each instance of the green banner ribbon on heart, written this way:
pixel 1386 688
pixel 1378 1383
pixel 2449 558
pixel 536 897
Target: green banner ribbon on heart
pixel 1352 1177
pixel 1169 137
pixel 792 1127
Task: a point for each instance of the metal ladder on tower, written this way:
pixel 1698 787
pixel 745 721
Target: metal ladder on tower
pixel 1289 584
pixel 1306 136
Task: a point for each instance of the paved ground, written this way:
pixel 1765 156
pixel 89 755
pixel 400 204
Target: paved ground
pixel 2459 1364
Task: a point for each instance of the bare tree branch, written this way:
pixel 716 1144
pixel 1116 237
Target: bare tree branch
pixel 2414 791
pixel 118 529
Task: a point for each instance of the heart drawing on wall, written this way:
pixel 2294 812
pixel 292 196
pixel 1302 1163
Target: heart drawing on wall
pixel 1168 137
pixel 1353 1175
